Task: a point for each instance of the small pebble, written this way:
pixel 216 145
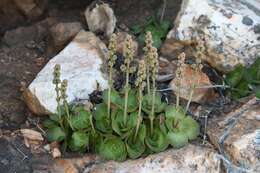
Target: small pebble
pixel 247 21
pixel 257 28
pixel 257 117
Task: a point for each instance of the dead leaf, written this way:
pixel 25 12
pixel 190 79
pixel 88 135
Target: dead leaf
pixel 31 134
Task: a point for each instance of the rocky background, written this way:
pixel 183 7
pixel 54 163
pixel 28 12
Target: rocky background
pixel 36 34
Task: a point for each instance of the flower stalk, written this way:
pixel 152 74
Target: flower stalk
pixel 154 71
pixel 179 76
pixel 147 49
pixel 111 61
pixel 128 54
pixel 56 81
pixel 141 76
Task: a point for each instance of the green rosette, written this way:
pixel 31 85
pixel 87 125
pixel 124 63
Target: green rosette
pixel 113 148
pixel 118 125
pixel 136 146
pixel 102 121
pixel 79 141
pixel 80 119
pixel 159 106
pixel 156 141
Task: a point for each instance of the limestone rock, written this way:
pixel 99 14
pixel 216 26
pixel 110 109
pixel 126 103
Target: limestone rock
pixel 229 38
pixel 100 18
pixel 81 63
pixel 236 134
pixel 190 159
pixel 61 34
pixel 191 77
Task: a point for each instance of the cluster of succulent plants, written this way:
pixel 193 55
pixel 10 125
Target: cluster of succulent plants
pixel 128 123
pixel 243 81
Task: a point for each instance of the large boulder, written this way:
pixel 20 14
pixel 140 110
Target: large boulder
pixel 237 137
pixel 229 30
pixel 81 64
pixel 190 159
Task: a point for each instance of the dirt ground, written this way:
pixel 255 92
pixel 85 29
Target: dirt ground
pixel 23 55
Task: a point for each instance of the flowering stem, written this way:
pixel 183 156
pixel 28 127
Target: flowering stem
pixel 148 80
pixel 190 97
pixel 153 100
pixel 109 91
pixel 126 93
pixel 139 117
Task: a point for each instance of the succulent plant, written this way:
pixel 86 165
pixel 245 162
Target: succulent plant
pixel 128 123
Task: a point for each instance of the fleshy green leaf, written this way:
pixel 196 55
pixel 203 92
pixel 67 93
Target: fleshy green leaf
pixel 173 112
pixel 49 123
pixel 177 139
pixel 190 127
pixel 55 134
pixel 55 117
pixel 136 29
pixel 102 122
pixel 113 148
pixel 95 139
pixel 79 141
pixel 147 103
pixel 235 76
pixel 135 146
pixel 171 123
pixel 80 119
pixel 156 141
pixel 114 97
pixel 252 73
pixel 241 90
pixel 132 103
pixel 118 124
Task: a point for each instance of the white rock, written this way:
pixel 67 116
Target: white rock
pixel 190 159
pixel 230 38
pixel 100 18
pixel 81 63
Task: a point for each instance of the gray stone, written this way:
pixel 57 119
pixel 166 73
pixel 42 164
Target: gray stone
pixel 236 135
pixel 81 63
pixel 227 41
pixel 257 28
pixel 247 21
pixel 100 18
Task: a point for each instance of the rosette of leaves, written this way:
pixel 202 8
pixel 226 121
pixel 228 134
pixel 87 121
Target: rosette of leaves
pixel 135 145
pixel 80 119
pixel 113 148
pixel 79 141
pixel 95 140
pixel 132 103
pixel 159 106
pixel 156 141
pixel 119 126
pixel 244 81
pixel 181 128
pixel 102 121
